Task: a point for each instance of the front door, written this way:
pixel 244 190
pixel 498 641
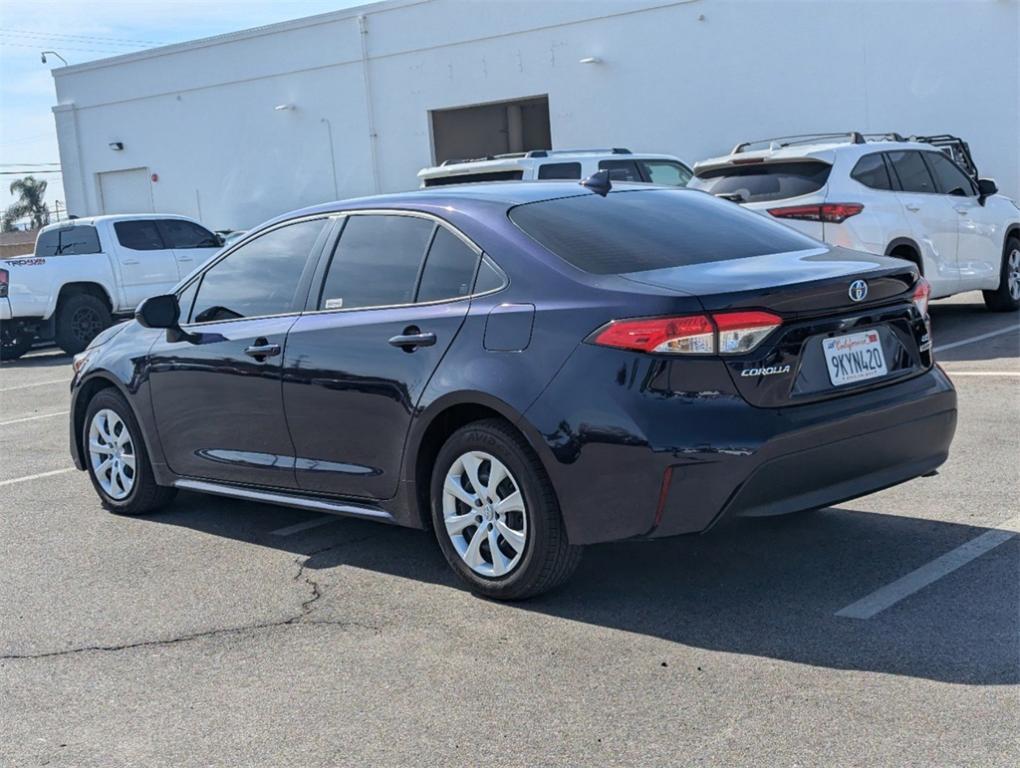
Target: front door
pixel 216 392
pixel 356 368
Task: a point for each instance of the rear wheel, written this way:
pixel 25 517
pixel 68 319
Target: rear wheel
pixel 80 319
pixel 15 340
pixel 1006 298
pixel 495 514
pixel 116 458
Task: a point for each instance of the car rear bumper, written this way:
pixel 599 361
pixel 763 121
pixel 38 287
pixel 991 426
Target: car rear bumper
pixel 636 462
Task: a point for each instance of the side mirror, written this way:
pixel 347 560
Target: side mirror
pixel 987 188
pixel 159 312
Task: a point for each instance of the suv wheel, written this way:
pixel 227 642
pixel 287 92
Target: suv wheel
pixel 116 459
pixel 1006 298
pixel 80 319
pixel 495 514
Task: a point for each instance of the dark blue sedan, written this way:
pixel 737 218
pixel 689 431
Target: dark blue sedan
pixel 526 368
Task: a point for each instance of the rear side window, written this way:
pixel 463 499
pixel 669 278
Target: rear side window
pixel 621 170
pixel 376 262
pixel 951 180
pixel 635 231
pixel 69 241
pixel 139 235
pixel 764 181
pixel 259 278
pixel 186 234
pixel 912 172
pixel 666 172
pixel 449 268
pixel 470 178
pixel 871 172
pixel 560 171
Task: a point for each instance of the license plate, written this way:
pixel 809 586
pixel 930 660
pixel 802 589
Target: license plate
pixel 854 357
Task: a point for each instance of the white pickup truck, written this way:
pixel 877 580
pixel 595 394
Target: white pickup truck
pixel 85 272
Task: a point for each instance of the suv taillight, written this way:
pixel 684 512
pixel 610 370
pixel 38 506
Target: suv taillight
pixel 725 333
pixel 5 279
pixel 833 213
pixel 922 292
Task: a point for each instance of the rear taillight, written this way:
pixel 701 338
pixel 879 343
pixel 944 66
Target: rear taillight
pixel 726 333
pixel 834 213
pixel 922 292
pixel 5 279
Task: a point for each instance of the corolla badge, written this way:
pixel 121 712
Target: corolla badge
pixel 858 290
pixel 765 370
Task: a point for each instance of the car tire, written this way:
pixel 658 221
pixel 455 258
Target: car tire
pixel 1006 298
pixel 520 514
pixel 80 318
pixel 111 432
pixel 14 341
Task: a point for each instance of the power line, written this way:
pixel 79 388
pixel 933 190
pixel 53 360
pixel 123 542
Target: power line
pixel 62 35
pixel 65 47
pixel 24 165
pixel 26 173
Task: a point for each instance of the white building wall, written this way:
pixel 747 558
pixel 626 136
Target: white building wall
pixel 689 78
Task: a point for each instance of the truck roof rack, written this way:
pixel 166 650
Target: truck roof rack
pixel 955 147
pixel 537 153
pixel 854 137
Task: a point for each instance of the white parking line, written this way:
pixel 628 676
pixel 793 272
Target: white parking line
pixel 982 337
pixel 26 478
pixel 954 374
pixel 290 530
pixel 33 418
pixel 890 594
pixel 36 384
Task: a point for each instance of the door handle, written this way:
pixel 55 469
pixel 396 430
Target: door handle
pixel 912 207
pixel 262 349
pixel 412 338
pixel 961 211
pixel 129 261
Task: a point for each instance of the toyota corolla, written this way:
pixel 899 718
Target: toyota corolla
pixel 523 368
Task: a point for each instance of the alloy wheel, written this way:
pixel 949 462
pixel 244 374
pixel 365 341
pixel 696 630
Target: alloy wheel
pixel 85 325
pixel 484 514
pixel 1013 274
pixel 112 454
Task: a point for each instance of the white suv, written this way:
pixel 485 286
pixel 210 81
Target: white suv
pixel 883 194
pixel 538 164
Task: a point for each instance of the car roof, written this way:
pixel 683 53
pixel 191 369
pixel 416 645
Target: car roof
pixel 822 150
pixel 93 220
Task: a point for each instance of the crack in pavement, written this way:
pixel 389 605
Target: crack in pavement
pixel 297 619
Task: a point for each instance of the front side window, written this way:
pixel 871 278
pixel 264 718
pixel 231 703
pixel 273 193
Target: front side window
pixel 68 241
pixel 621 170
pixel 639 230
pixel 139 235
pixel 560 171
pixel 376 262
pixel 761 182
pixel 260 278
pixel 871 172
pixel 666 172
pixel 911 171
pixel 951 180
pixel 449 268
pixel 182 234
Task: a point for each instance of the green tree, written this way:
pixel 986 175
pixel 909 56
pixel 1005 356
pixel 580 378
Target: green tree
pixel 30 192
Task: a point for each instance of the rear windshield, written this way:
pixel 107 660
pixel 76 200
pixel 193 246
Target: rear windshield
pixel 640 230
pixel 469 178
pixel 764 181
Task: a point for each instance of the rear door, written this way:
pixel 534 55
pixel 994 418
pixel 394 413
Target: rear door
pixel 391 299
pixel 147 265
pixel 931 217
pixel 192 244
pixel 216 392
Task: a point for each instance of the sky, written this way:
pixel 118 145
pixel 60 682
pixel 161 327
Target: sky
pixel 85 30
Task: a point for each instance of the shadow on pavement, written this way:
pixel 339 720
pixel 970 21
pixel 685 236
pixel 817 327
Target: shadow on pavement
pixel 957 322
pixel 766 587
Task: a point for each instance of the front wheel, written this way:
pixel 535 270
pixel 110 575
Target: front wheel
pixel 496 516
pixel 115 455
pixel 1006 298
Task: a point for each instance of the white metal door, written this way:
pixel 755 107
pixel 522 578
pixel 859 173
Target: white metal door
pixel 126 191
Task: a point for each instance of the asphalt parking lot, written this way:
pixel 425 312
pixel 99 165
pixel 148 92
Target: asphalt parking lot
pixel 885 631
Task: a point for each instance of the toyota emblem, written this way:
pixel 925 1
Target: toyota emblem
pixel 858 290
